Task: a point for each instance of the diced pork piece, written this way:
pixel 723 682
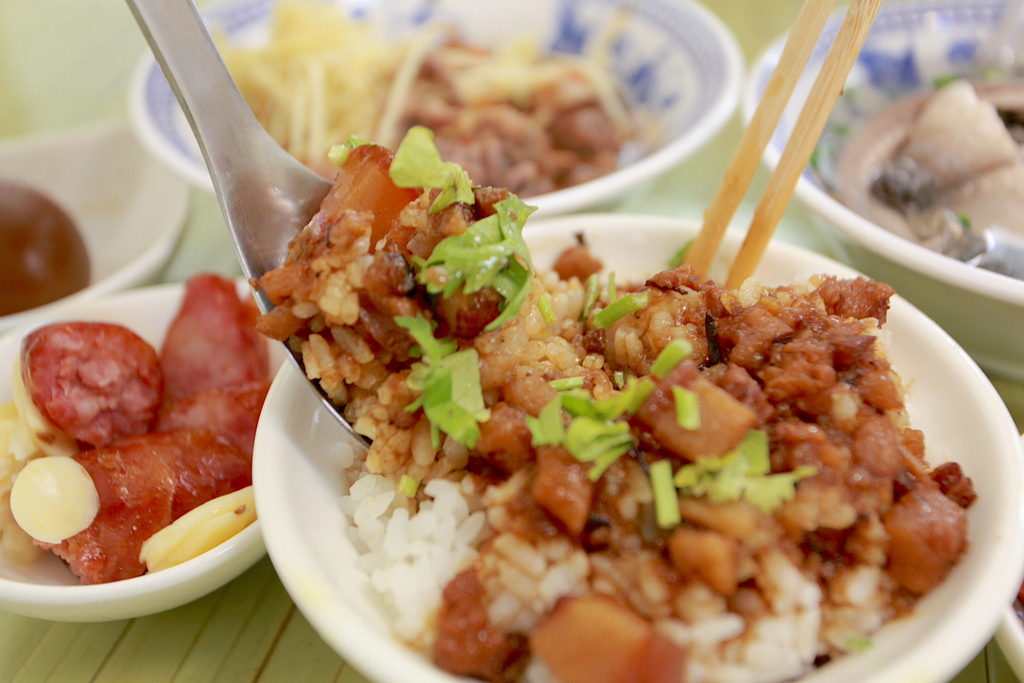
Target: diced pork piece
pixel 561 487
pixel 724 420
pixel 468 644
pixel 212 342
pixel 593 639
pixel 144 483
pixel 95 381
pixel 230 412
pixel 928 533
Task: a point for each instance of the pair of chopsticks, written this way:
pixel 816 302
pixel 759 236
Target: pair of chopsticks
pixel 826 90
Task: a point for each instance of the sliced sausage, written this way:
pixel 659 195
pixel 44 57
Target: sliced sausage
pixel 212 341
pixel 144 483
pixel 95 381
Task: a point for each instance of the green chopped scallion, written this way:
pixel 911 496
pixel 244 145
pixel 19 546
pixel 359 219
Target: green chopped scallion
pixel 613 293
pixel 680 256
pixel 687 408
pixel 617 310
pixel 338 154
pixel 666 500
pixel 547 311
pixel 599 442
pixel 590 295
pixel 408 486
pixel 673 354
pixel 566 383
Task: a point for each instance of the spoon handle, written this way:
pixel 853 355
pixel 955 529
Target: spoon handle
pixel 266 196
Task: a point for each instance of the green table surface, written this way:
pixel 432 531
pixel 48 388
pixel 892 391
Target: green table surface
pixel 69 62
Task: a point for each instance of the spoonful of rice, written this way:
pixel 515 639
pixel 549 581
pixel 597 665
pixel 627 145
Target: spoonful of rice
pixel 265 195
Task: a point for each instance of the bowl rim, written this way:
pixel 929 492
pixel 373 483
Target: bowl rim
pixel 338 622
pixel 874 237
pixel 147 75
pixel 151 592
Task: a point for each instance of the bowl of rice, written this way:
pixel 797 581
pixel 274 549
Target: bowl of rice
pixel 913 48
pixel 420 561
pixel 568 103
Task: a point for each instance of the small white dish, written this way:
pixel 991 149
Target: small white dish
pixel 129 210
pixel 674 58
pixel 298 480
pixel 45 588
pixel 911 46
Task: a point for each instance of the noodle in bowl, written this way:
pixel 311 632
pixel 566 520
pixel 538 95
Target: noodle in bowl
pixel 307 508
pixel 675 61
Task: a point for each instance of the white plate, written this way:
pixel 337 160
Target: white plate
pixel 675 58
pixel 298 482
pixel 129 209
pixel 46 588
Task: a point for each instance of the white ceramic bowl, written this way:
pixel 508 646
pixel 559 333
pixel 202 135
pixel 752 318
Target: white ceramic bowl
pixel 910 45
pixel 129 209
pixel 298 482
pixel 1010 638
pixel 46 589
pixel 675 58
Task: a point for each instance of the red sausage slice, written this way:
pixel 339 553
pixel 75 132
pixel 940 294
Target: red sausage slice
pixel 95 381
pixel 212 341
pixel 144 483
pixel 231 412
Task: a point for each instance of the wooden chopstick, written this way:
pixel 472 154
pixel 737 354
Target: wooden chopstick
pixel 795 53
pixel 809 125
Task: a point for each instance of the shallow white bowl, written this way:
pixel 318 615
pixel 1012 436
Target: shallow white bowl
pixel 675 58
pixel 910 45
pixel 46 589
pixel 298 482
pixel 129 210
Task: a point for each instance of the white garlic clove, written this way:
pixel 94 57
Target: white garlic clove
pixel 54 498
pixel 199 530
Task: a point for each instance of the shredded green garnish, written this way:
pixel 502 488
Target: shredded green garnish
pixel 625 402
pixel 666 500
pixel 566 383
pixel 613 293
pixel 943 81
pixel 417 163
pixel 743 473
pixel 490 253
pixel 964 220
pixel 547 428
pixel 671 356
pixel 338 154
pixel 448 384
pixel 547 311
pixel 590 295
pixel 617 310
pixel 408 486
pixel 858 644
pixel 680 256
pixel 599 442
pixel 687 408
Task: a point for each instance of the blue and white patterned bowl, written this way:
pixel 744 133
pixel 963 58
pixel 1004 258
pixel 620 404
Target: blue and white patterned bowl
pixel 911 44
pixel 674 58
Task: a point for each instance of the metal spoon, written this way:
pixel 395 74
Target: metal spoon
pixel 265 195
